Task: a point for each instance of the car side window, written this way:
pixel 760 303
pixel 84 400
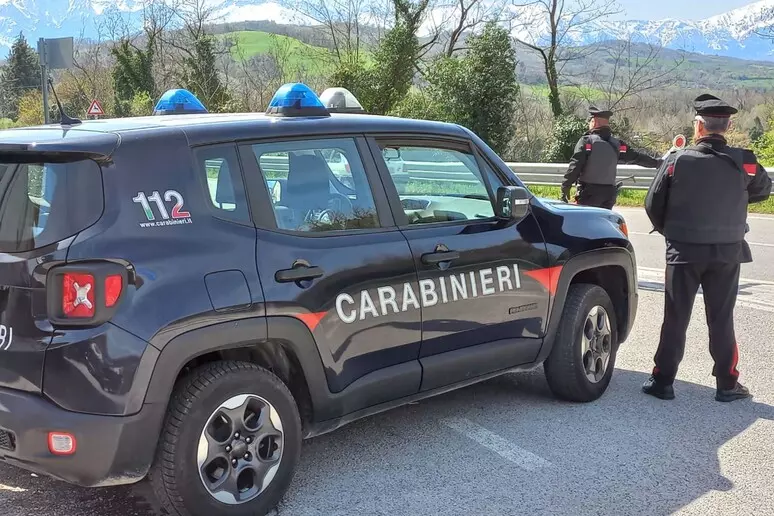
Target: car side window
pixel 437 184
pixel 221 168
pixel 317 185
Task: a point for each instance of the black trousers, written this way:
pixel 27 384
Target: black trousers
pixel 719 282
pixel 601 196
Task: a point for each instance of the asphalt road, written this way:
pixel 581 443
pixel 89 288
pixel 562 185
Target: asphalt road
pixel 507 447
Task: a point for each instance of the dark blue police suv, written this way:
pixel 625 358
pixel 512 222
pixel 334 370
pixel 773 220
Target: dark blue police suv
pixel 185 298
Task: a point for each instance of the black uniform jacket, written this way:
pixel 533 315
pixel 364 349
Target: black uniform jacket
pixel 657 200
pixel 579 158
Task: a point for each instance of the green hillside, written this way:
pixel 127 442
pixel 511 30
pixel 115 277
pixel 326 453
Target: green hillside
pixel 296 55
pixel 300 54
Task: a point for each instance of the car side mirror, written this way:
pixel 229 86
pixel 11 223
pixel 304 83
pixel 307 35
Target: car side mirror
pixel 512 202
pixel 391 153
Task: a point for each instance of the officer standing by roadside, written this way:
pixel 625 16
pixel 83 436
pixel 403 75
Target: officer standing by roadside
pixel 698 201
pixel 595 161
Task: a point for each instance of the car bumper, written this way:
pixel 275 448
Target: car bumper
pixel 110 450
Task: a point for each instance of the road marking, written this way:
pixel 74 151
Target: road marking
pixel 661 271
pixel 754 294
pixel 491 441
pixel 4 487
pixel 761 244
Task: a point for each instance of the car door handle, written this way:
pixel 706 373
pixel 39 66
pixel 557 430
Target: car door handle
pixel 298 273
pixel 440 256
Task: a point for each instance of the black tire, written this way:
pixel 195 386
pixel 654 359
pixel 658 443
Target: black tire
pixel 564 368
pixel 175 475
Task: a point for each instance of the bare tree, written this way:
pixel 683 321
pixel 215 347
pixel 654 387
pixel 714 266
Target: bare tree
pixel 633 70
pixel 557 19
pixel 89 78
pixel 345 23
pixel 460 17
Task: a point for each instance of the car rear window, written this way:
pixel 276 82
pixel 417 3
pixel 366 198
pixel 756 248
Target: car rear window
pixel 43 203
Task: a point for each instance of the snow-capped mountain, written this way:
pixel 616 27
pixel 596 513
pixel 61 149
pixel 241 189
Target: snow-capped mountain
pixel 87 18
pixel 737 33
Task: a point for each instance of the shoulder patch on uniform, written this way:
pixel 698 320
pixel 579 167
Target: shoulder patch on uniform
pixel 750 168
pixel 671 162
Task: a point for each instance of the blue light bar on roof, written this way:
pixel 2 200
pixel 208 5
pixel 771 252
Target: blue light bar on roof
pixel 179 102
pixel 296 99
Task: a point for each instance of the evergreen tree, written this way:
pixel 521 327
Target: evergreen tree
pixel 132 74
pixel 479 90
pixel 20 75
pixel 200 75
pixel 382 86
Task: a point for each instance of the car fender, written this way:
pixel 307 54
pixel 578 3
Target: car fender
pixel 612 256
pixel 242 333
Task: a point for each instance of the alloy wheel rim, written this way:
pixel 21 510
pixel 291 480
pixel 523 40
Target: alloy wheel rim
pixel 596 344
pixel 240 449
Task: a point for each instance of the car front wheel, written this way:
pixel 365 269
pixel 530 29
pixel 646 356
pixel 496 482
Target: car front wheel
pixel 230 444
pixel 582 359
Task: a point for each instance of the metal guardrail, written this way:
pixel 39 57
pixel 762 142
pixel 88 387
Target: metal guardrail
pixel 552 174
pixel 549 174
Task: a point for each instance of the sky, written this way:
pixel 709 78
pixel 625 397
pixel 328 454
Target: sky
pixel 680 9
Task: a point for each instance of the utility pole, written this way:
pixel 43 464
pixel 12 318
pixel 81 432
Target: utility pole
pixel 44 79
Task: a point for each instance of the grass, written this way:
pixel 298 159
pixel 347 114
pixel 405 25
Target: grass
pixel 296 55
pixel 625 197
pixel 636 198
pixel 585 92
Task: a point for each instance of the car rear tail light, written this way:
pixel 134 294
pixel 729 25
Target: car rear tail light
pixel 113 286
pixel 86 293
pixel 61 443
pixel 78 295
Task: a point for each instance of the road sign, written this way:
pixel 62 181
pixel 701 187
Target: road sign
pixel 54 54
pixel 59 53
pixel 95 108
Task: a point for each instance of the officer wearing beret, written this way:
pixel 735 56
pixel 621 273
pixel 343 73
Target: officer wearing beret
pixel 595 162
pixel 698 201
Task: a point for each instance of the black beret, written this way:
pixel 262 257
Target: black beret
pixel 599 113
pixel 710 105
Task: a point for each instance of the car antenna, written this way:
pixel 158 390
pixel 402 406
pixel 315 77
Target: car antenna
pixel 65 120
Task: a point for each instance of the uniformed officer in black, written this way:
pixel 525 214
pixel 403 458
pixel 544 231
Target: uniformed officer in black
pixel 595 161
pixel 698 201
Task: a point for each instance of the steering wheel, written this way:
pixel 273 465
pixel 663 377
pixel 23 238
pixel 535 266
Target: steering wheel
pixel 340 203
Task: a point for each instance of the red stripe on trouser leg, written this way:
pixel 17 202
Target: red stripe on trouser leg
pixel 734 371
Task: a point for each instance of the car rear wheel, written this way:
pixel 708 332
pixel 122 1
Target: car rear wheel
pixel 230 444
pixel 582 359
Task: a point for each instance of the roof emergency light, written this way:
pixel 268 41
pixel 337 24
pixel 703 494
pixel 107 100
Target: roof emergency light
pixel 341 100
pixel 296 99
pixel 179 102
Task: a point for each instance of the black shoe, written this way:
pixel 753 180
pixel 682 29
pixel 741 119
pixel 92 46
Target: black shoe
pixel 659 390
pixel 739 392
